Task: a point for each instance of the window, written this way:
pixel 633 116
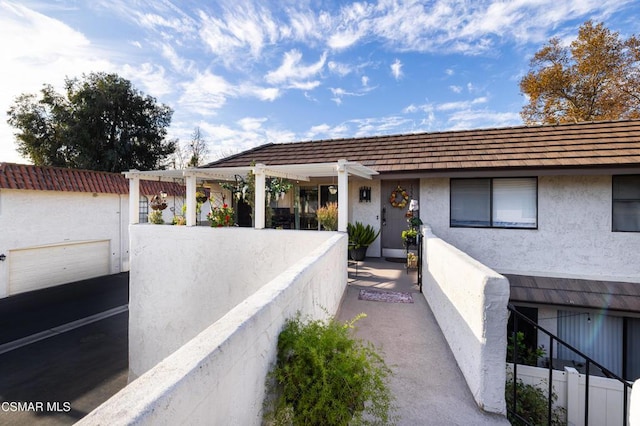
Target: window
pixel 626 203
pixel 144 210
pixel 494 203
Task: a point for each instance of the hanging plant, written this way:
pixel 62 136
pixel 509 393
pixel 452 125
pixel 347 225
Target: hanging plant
pixel 157 203
pixel 399 198
pixel 201 196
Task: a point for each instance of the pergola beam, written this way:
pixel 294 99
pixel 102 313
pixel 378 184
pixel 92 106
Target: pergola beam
pixel 298 172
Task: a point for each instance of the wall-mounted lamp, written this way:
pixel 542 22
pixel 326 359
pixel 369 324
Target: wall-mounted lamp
pixel 333 190
pixel 3 257
pixel 365 194
pixel 413 206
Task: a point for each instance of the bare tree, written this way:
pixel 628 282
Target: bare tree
pixel 197 149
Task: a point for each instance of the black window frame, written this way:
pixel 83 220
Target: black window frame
pixel 615 200
pixel 491 224
pixel 143 209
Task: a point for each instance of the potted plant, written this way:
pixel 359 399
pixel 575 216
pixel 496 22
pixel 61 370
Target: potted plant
pixel 221 216
pixel 155 217
pixel 360 238
pixel 410 236
pixel 324 376
pixel 328 216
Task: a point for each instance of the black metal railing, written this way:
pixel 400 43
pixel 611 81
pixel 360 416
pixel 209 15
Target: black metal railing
pixel 518 316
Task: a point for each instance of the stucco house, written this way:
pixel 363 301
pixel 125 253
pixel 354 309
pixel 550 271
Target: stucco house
pixel 554 208
pixel 61 225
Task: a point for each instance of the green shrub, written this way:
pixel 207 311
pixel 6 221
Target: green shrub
pixel 360 235
pixel 323 376
pixel 532 405
pixel 526 355
pixel 156 217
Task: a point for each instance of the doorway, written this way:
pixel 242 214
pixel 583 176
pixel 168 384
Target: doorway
pixel 393 216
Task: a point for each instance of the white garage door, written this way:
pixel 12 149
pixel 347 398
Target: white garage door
pixel 39 267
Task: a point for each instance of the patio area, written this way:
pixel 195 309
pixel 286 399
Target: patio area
pixel 427 381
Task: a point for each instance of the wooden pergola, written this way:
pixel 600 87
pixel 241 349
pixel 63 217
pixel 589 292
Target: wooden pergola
pixel 341 169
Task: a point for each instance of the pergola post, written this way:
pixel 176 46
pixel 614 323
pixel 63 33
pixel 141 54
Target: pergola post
pixel 343 196
pixel 260 182
pixel 191 180
pixel 134 199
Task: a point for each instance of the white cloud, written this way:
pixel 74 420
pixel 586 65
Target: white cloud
pixel 30 43
pixel 449 106
pixel 474 119
pixel 365 80
pixel 251 123
pixel 151 77
pixel 292 70
pixel 456 89
pixel 396 69
pixel 245 28
pixel 339 68
pixel 244 134
pixel 205 94
pixel 410 109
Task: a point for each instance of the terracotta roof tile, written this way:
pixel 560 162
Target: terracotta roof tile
pixel 41 178
pixel 610 143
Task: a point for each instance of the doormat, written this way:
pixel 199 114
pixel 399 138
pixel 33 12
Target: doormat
pixel 385 296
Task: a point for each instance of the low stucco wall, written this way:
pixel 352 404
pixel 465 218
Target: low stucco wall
pixel 183 279
pixel 469 302
pixel 219 376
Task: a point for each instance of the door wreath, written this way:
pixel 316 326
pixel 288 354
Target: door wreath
pixel 399 198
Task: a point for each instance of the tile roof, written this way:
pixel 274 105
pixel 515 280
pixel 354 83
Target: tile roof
pixel 42 178
pixel 619 296
pixel 588 144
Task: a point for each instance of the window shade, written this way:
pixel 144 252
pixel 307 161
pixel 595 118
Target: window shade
pixel 514 202
pixel 471 202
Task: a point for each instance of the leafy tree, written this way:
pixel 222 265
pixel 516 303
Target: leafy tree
pixel 101 123
pixel 597 77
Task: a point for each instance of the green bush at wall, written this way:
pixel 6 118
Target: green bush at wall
pixel 323 376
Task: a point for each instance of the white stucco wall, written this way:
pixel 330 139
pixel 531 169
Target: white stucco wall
pixel 469 302
pixel 573 238
pixel 218 378
pixel 183 279
pixel 36 218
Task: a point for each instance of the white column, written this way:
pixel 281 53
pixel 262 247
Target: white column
pixel 343 196
pixel 191 199
pixel 134 199
pixel 259 205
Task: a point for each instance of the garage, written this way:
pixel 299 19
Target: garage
pixel 38 267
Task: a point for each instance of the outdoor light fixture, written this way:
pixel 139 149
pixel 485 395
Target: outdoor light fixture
pixel 2 257
pixel 413 206
pixel 333 190
pixel 365 194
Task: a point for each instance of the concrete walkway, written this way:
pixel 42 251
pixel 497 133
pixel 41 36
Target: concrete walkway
pixel 429 386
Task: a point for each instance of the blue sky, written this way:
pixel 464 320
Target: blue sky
pixel 252 72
